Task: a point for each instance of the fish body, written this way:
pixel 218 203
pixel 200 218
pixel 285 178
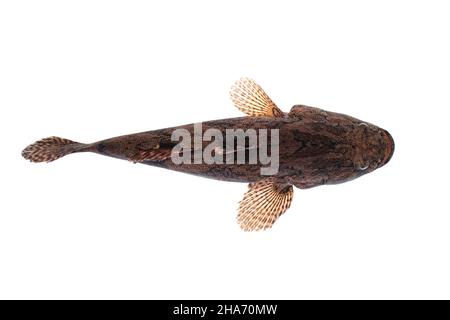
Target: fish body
pixel 309 146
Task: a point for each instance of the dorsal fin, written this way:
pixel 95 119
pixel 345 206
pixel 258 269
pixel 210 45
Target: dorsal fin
pixel 251 99
pixel 263 204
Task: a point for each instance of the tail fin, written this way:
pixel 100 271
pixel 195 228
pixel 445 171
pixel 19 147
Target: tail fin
pixel 50 149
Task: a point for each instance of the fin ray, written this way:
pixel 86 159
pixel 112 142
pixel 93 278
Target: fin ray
pixel 250 98
pixel 50 149
pixel 263 204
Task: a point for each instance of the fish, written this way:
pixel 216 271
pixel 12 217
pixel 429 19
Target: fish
pixel 307 147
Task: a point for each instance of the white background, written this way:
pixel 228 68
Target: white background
pixel 88 226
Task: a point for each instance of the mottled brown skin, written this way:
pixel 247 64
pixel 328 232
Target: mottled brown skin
pixel 317 147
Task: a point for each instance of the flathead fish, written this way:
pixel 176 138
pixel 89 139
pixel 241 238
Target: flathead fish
pixel 268 148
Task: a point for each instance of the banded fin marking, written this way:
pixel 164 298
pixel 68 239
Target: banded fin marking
pixel 250 98
pixel 263 204
pixel 50 149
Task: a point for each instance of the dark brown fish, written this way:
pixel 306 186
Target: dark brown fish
pixel 315 147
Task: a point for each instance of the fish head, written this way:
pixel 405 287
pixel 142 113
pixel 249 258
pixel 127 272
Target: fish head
pixel 373 147
pixel 347 147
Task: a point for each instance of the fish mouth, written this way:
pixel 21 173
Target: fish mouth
pixel 390 146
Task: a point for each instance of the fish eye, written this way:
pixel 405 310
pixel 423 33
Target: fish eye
pixel 363 167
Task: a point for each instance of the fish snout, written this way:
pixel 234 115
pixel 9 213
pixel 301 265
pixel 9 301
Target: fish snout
pixel 389 149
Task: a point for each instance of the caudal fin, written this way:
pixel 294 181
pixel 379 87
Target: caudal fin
pixel 50 149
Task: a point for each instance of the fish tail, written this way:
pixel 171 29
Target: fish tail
pixel 51 148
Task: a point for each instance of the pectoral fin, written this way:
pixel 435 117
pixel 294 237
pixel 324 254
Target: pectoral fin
pixel 263 204
pixel 251 99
